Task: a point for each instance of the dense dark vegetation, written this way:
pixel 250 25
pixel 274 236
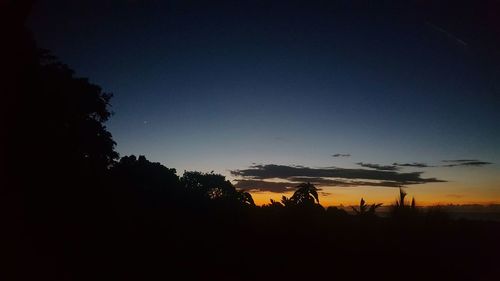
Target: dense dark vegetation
pixel 73 210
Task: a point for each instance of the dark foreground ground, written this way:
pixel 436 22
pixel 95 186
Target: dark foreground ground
pixel 252 244
pixel 70 211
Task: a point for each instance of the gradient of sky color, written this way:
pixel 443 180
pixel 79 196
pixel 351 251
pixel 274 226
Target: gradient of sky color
pixel 201 85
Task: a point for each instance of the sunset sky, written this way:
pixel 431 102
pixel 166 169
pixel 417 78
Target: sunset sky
pixel 357 101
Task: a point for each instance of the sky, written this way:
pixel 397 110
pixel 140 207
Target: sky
pixel 359 100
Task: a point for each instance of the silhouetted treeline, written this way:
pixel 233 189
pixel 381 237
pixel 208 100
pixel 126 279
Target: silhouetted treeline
pixel 74 210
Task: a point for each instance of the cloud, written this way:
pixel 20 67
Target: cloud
pixel 317 180
pixel 341 155
pixel 414 164
pixel 450 163
pixel 284 172
pixel 280 187
pixel 465 162
pixel 345 183
pixel 378 167
pixel 261 185
pixel 256 176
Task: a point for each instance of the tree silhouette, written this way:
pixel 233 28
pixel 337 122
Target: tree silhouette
pixel 148 175
pixel 60 124
pixel 244 197
pixel 306 194
pixel 57 146
pixel 214 187
pixel 75 113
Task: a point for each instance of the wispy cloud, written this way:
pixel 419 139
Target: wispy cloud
pixel 278 187
pixel 341 155
pixel 447 33
pixel 378 166
pixel 344 183
pixel 449 163
pixel 460 160
pixel 414 164
pixel 465 162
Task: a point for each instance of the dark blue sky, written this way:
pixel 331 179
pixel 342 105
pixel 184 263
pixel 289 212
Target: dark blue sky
pixel 219 86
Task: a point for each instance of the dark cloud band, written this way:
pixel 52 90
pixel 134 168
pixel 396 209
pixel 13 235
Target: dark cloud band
pixel 255 177
pixel 378 166
pixel 260 185
pixel 414 164
pixel 457 163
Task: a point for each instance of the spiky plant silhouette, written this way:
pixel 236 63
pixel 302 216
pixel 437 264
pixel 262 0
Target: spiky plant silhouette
pixel 366 210
pixel 401 208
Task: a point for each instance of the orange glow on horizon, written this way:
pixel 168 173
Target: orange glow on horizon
pixel 469 186
pixel 387 196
